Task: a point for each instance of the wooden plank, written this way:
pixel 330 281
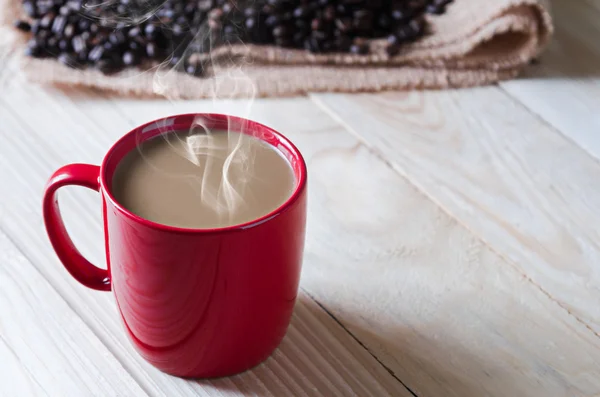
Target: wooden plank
pixel 564 88
pixel 444 313
pixel 525 189
pixel 46 349
pixel 317 356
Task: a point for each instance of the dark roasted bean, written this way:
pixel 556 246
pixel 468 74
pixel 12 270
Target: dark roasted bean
pixel 96 53
pixel 281 31
pixel 301 11
pixel 59 24
pixel 343 43
pixel 109 66
pixel 29 8
pixel 343 24
pixel 151 50
pixel 194 69
pixel 83 24
pixel 150 31
pixel 117 37
pixel 69 31
pixel 68 60
pixel 134 32
pixel 78 44
pixel 35 26
pixel 205 5
pixel 312 45
pixel 23 26
pixel 47 20
pixel 130 58
pixel 360 46
pixel 64 45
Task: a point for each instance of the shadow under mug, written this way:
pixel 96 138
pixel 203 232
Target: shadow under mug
pixel 194 302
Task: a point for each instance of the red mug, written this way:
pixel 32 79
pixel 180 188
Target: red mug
pixel 196 303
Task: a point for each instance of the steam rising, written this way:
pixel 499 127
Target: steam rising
pixel 223 75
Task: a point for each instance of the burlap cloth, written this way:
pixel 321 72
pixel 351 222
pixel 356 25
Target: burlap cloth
pixel 475 42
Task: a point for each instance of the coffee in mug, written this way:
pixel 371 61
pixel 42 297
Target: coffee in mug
pixel 203 179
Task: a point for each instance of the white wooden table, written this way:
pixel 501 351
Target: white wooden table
pixel 453 243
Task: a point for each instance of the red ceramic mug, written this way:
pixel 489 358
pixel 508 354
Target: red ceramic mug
pixel 194 302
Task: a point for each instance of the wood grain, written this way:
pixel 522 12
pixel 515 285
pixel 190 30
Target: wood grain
pixel 445 314
pixel 45 348
pixel 317 357
pixel 524 188
pixel 564 88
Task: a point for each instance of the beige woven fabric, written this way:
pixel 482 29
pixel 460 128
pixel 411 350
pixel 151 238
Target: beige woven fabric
pixel 475 42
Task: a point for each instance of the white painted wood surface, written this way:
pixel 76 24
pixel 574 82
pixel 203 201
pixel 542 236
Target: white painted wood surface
pixel 452 245
pixel 525 189
pixel 45 348
pixel 321 359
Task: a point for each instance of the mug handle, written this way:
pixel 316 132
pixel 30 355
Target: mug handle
pixel 81 269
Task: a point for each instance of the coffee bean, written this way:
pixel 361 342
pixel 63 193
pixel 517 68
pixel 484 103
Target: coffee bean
pixel 96 53
pixel 319 35
pixel 343 43
pixel 117 37
pixel 273 20
pixel 437 7
pixel 64 45
pixel 150 31
pixel 205 5
pixel 59 24
pixel 151 50
pixel 178 30
pixel 360 46
pixel 130 58
pixel 343 24
pixel 281 31
pixel 73 5
pixel 329 13
pixel 23 26
pixel 42 35
pixel 134 32
pixel 312 45
pixel 29 8
pixel 83 24
pixel 47 20
pixel 136 46
pixel 78 44
pixel 44 6
pixel 392 50
pixel 301 11
pixel 108 66
pixel 69 31
pixel 68 60
pixel 299 38
pixel 194 69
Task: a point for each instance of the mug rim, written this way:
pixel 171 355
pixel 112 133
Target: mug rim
pixel 289 202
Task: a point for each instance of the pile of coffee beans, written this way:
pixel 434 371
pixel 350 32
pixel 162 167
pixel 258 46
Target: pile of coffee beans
pixel 111 35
